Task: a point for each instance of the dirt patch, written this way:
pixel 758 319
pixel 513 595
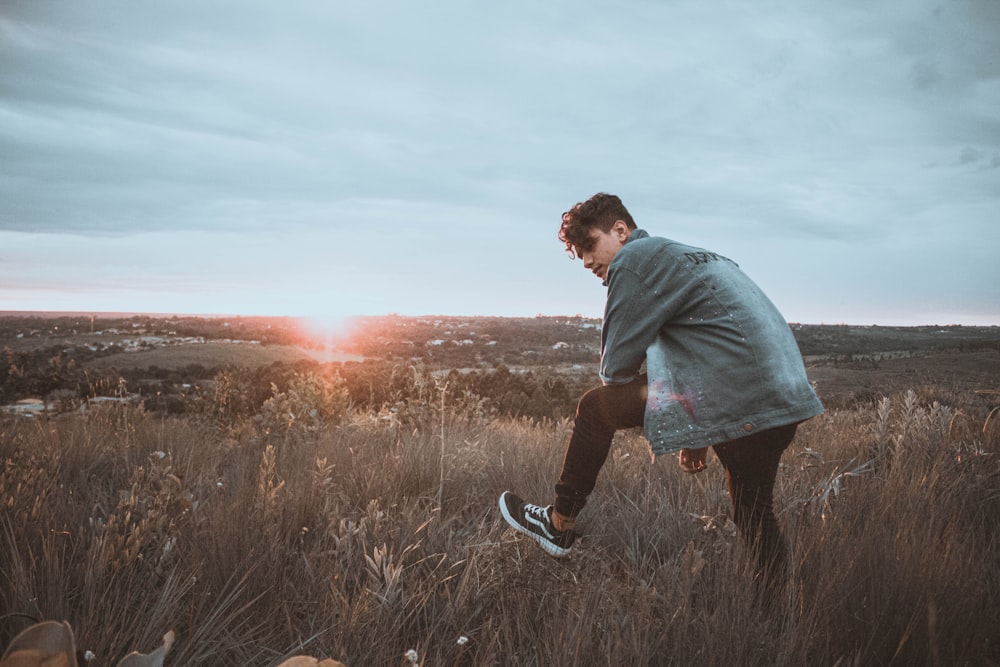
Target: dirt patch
pixel 868 380
pixel 212 354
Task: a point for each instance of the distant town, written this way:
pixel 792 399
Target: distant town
pixel 62 361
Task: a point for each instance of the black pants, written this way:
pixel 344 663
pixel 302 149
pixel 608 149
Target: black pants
pixel 750 462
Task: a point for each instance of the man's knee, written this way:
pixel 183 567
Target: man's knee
pixel 591 401
pixel 612 407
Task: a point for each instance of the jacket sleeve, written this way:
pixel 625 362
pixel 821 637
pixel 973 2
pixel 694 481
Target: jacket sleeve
pixel 640 302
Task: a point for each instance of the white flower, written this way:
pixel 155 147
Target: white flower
pixel 412 656
pixel 463 640
pixel 88 656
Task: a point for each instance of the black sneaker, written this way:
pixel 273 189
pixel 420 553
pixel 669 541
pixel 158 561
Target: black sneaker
pixel 536 523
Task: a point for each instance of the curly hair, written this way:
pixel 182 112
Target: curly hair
pixel 600 211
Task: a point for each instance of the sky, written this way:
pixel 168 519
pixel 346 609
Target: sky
pixel 331 159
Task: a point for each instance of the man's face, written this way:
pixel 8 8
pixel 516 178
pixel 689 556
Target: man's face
pixel 602 248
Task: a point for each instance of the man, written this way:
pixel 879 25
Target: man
pixel 722 370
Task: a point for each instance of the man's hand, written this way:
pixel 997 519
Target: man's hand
pixel 692 460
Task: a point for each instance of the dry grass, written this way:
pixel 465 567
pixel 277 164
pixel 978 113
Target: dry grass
pixel 350 543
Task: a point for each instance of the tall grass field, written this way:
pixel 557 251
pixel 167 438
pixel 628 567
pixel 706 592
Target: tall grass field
pixel 373 538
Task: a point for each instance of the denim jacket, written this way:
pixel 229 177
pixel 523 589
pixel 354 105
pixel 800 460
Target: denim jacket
pixel 721 360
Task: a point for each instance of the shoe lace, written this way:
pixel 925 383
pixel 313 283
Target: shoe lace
pixel 538 512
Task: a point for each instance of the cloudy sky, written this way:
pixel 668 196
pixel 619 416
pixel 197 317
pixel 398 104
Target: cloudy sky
pixel 335 158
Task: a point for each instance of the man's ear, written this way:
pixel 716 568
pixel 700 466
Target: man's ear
pixel 621 230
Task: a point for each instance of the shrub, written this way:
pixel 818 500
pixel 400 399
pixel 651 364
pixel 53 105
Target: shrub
pixel 310 403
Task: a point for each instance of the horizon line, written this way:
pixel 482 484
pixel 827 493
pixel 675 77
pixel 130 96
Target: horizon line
pixel 168 314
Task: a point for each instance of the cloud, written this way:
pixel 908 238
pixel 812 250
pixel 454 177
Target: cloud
pixel 420 136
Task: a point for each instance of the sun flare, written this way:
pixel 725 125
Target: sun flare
pixel 333 335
